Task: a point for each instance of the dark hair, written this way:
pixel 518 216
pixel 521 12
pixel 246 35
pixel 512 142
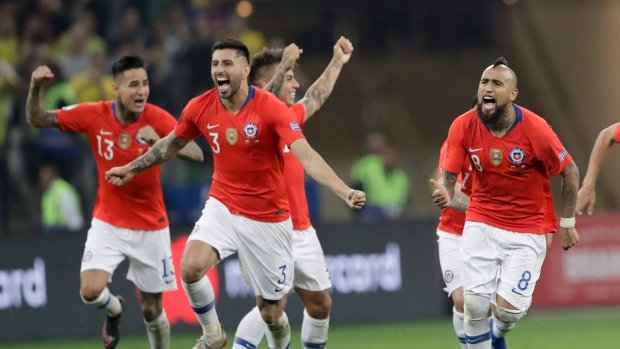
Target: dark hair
pixel 126 63
pixel 500 61
pixel 263 61
pixel 232 44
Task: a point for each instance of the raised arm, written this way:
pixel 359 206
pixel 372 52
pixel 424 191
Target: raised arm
pixel 290 55
pixel 586 197
pixel 570 183
pixel 320 171
pixel 162 151
pixel 36 115
pixel 318 93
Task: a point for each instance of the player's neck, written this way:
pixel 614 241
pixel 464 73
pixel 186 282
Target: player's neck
pixel 125 116
pixel 234 104
pixel 501 127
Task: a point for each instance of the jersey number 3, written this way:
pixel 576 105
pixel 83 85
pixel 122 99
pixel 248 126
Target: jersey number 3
pixel 216 146
pixel 108 153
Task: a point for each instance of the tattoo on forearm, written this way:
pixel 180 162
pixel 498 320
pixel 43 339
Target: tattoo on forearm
pixel 460 202
pixel 152 158
pixel 570 188
pixel 319 91
pixel 275 85
pixel 35 114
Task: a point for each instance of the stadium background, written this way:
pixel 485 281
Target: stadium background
pixel 415 67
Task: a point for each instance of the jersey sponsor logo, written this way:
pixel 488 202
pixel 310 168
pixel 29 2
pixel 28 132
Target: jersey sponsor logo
pixel 88 255
pixel 250 130
pixel 516 155
pixel 124 140
pixel 295 126
pixel 496 156
pixel 474 150
pixel 105 133
pixel 232 135
pixel 69 107
pixel 212 126
pixel 448 276
pixel 563 154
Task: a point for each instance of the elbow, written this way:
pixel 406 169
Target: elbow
pixel 200 157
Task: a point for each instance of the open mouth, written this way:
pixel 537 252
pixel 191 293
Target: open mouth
pixel 223 83
pixel 140 103
pixel 488 103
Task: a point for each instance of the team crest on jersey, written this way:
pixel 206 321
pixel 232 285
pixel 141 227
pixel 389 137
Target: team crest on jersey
pixel 124 140
pixel 250 130
pixel 448 276
pixel 516 155
pixel 232 135
pixel 496 156
pixel 88 255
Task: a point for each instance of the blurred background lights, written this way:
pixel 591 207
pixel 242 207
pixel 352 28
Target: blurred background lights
pixel 244 9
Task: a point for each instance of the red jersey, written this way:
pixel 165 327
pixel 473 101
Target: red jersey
pixel 247 160
pixel 510 171
pixel 139 204
pixel 293 172
pixel 452 221
pixel 617 133
pixel 551 222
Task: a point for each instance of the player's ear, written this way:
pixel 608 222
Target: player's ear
pixel 513 94
pixel 115 89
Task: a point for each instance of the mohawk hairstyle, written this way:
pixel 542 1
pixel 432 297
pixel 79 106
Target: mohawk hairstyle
pixel 233 44
pixel 262 62
pixel 500 61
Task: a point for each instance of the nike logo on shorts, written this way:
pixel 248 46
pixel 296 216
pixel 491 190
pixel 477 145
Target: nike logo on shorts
pixel 515 291
pixel 278 290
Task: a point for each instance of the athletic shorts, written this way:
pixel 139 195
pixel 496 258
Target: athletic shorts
pixel 501 261
pixel 150 258
pixel 310 268
pixel 450 260
pixel 265 249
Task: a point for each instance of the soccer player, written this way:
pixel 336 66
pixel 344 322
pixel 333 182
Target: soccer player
pixel 247 210
pixel 311 280
pixel 503 245
pixel 129 222
pixel 605 140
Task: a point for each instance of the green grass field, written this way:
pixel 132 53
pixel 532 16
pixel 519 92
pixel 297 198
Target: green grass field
pixel 574 329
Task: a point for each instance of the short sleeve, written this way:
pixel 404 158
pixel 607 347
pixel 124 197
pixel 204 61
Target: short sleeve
pixel 299 113
pixel 283 120
pixel 77 117
pixel 187 127
pixel 165 123
pixel 455 150
pixel 550 151
pixel 617 133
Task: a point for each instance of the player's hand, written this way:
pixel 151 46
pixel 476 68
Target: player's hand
pixel 290 55
pixel 568 237
pixel 356 198
pixel 549 237
pixel 440 195
pixel 586 198
pixel 148 134
pixel 119 175
pixel 40 76
pixel 343 50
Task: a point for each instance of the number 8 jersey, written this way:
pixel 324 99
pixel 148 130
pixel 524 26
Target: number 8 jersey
pixel 510 171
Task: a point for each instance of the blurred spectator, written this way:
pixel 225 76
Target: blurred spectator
pixel 252 38
pixel 60 205
pixel 74 58
pixel 194 61
pixel 94 84
pixel 93 43
pixel 8 37
pixel 386 186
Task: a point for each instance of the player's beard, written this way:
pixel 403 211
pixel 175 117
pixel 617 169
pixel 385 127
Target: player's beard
pixel 490 120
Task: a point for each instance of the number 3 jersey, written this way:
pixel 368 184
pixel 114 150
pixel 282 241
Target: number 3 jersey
pixel 510 172
pixel 247 160
pixel 139 204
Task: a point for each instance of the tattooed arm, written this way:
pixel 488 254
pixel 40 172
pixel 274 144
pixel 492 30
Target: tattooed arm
pixel 460 201
pixel 36 115
pixel 444 188
pixel 162 151
pixel 318 93
pixel 290 55
pixel 570 183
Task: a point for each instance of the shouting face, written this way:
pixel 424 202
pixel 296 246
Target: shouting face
pixel 496 90
pixel 228 70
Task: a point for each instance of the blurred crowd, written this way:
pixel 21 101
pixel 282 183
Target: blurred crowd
pixel 79 40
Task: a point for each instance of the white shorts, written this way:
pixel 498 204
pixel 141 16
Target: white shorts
pixel 501 261
pixel 450 260
pixel 150 258
pixel 310 268
pixel 265 249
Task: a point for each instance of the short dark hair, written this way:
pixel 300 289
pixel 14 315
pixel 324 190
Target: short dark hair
pixel 263 61
pixel 232 44
pixel 126 63
pixel 500 61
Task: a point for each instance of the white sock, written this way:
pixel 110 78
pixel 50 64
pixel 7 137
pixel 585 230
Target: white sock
pixel 459 327
pixel 250 331
pixel 158 331
pixel 500 328
pixel 478 333
pixel 202 299
pixel 314 332
pixel 279 333
pixel 107 302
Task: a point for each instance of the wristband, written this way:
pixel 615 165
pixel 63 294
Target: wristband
pixel 567 222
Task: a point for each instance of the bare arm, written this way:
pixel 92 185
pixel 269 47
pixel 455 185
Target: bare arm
pixel 444 188
pixel 587 197
pixel 162 151
pixel 36 115
pixel 320 90
pixel 191 152
pixel 290 55
pixel 460 201
pixel 320 171
pixel 570 184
